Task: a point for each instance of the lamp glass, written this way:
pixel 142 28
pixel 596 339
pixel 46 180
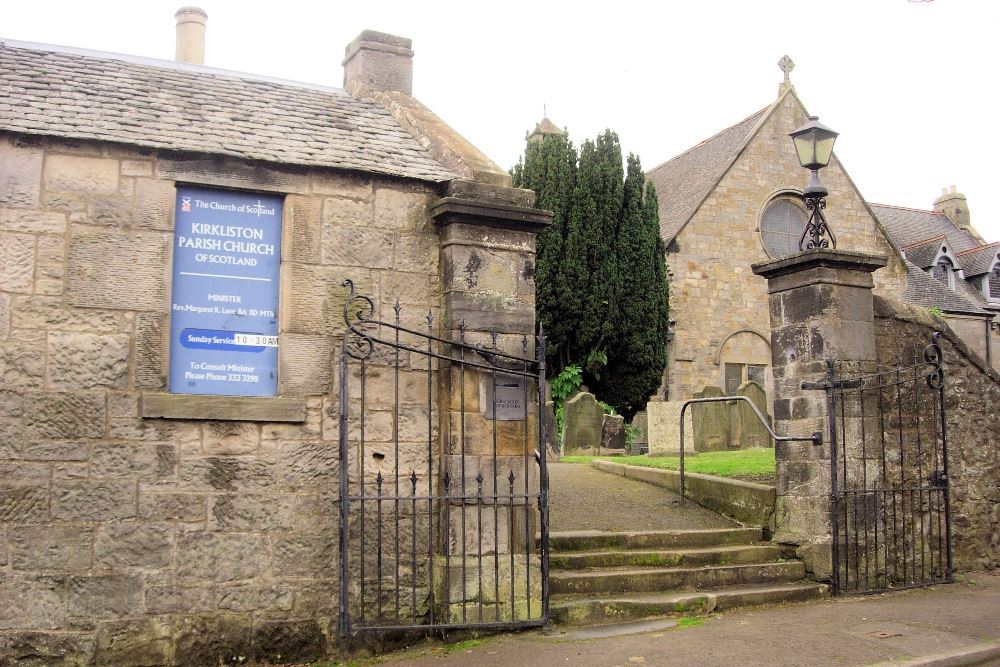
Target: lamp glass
pixel 814 144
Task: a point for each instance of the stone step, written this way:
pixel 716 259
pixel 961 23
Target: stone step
pixel 717 555
pixel 589 540
pixel 577 610
pixel 628 580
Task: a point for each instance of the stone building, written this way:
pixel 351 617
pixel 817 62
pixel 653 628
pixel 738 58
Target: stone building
pixel 156 507
pixel 735 199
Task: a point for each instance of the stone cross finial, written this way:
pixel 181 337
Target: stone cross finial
pixel 787 65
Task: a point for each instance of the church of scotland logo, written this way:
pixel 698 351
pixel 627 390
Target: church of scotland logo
pixel 185 204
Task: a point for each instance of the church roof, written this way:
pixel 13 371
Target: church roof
pixel 77 94
pixel 979 260
pixel 546 126
pixel 685 181
pixel 923 253
pixel 924 290
pixel 907 226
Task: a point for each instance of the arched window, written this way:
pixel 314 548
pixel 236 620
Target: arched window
pixel 781 227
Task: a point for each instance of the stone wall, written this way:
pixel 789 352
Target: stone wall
pixel 713 294
pixel 136 539
pixel 972 401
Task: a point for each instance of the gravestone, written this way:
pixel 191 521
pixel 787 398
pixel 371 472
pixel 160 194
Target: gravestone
pixel 711 422
pixel 583 425
pixel 751 432
pixel 613 435
pixel 663 426
pixel 640 440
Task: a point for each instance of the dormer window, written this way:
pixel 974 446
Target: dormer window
pixel 944 270
pixel 995 283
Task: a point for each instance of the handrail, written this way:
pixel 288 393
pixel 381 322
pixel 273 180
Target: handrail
pixel 816 438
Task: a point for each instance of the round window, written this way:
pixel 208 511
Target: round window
pixel 781 227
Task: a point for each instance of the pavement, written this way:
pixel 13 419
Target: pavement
pixel 941 626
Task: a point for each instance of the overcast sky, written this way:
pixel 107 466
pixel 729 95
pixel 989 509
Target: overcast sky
pixel 911 86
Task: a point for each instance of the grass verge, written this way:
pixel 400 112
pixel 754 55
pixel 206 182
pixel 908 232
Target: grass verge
pixel 740 463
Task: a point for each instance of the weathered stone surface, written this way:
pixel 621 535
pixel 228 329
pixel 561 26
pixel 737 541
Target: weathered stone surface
pixel 154 203
pixel 226 437
pixel 29 221
pixel 88 175
pixel 357 246
pixel 51 548
pixel 133 545
pixel 5 301
pixel 302 230
pixel 47 312
pixel 22 363
pixel 613 433
pixel 312 556
pixel 104 596
pixel 143 460
pixel 17 262
pixel 177 597
pixel 134 642
pixel 288 641
pixel 111 212
pixel 255 597
pixel 64 415
pixel 229 408
pixel 50 648
pixel 225 473
pixel 187 507
pixel 711 422
pixel 217 639
pixel 400 210
pixel 149 351
pixel 114 270
pixel 306 364
pixel 663 420
pixel 303 465
pixel 86 500
pixel 747 430
pixel 23 500
pixel 83 360
pixel 220 556
pixel 22 170
pixel 583 425
pixel 58 450
pixel 250 512
pixel 31 602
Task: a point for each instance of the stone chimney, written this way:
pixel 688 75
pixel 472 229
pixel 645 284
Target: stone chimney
pixel 954 205
pixel 379 61
pixel 191 35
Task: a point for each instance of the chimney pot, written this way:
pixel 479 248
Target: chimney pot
pixel 191 35
pixel 380 61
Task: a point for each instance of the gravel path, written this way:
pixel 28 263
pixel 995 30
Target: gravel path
pixel 584 498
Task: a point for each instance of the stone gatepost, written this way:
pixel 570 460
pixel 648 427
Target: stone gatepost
pixel 821 309
pixel 488 292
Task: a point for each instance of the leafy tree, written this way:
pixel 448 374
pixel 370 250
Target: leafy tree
pixel 600 275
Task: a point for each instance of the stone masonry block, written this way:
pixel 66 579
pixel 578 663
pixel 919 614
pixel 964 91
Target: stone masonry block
pixel 401 210
pixel 50 265
pixel 145 641
pixel 306 364
pixel 147 461
pixel 44 648
pixel 154 203
pixel 417 253
pixel 211 639
pixel 346 212
pixel 255 597
pixel 55 415
pixel 104 596
pixel 111 212
pixel 84 360
pixel 32 222
pixel 5 300
pixel 90 175
pixel 51 548
pixel 21 169
pixel 112 270
pixel 229 437
pixel 22 363
pixel 220 556
pixel 89 500
pixel 225 473
pixel 17 262
pixel 187 507
pixel 357 246
pixel 303 465
pixel 173 597
pixel 119 545
pixel 31 602
pixel 250 512
pixel 303 230
pixel 312 556
pixel 149 351
pixel 23 501
pixel 47 312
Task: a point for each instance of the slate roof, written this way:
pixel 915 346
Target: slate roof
pixel 78 94
pixel 907 226
pixel 979 260
pixel 923 253
pixel 924 290
pixel 684 181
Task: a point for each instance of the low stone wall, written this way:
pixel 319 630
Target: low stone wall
pixel 746 502
pixel 972 402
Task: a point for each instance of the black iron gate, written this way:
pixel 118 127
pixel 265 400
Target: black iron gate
pixel 443 487
pixel 890 516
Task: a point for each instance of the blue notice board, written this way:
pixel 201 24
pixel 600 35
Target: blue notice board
pixel 224 308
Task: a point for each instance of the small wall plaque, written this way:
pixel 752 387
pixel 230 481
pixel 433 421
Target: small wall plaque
pixel 509 397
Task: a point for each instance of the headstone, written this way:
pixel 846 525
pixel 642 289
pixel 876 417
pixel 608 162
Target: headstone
pixel 751 432
pixel 711 422
pixel 549 430
pixel 613 435
pixel 583 425
pixel 640 439
pixel 663 424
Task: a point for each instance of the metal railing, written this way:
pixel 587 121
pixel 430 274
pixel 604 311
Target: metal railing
pixel 816 438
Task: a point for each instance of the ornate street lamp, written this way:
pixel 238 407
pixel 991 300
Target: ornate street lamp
pixel 814 146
